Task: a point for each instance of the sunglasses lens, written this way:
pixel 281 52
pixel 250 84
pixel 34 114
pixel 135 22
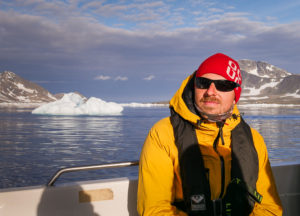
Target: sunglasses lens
pixel 225 85
pixel 202 83
pixel 221 85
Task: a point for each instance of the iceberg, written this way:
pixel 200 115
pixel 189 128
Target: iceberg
pixel 74 104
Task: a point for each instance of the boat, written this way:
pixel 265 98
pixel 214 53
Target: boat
pixel 114 197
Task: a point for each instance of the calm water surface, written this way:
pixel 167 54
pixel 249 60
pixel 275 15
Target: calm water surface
pixel 34 147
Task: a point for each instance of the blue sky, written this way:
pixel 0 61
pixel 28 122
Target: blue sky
pixel 139 50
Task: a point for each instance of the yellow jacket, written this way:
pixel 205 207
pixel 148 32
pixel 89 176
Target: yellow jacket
pixel 159 176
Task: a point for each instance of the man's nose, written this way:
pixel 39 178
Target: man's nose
pixel 212 90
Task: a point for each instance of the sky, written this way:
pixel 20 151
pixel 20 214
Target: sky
pixel 140 51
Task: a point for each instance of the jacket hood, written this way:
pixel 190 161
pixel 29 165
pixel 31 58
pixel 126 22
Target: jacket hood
pixel 183 103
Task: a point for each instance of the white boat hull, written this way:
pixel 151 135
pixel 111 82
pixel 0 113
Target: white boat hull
pixel 107 197
pixel 115 197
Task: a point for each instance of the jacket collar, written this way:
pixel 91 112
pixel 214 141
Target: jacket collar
pixel 183 103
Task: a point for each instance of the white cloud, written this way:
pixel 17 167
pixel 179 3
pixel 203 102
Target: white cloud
pixel 101 77
pixel 148 78
pixel 120 78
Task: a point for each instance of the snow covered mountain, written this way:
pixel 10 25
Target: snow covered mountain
pixel 15 89
pixel 265 83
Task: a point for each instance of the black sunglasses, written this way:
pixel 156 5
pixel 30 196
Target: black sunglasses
pixel 221 85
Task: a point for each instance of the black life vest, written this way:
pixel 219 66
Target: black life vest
pixel 240 194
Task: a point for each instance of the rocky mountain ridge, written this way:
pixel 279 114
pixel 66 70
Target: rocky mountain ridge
pixel 265 83
pixel 15 89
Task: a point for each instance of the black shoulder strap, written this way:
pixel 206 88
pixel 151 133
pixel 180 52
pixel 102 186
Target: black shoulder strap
pixel 244 154
pixel 195 185
pixel 244 159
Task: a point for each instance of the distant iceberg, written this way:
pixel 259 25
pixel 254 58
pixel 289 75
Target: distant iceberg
pixel 74 104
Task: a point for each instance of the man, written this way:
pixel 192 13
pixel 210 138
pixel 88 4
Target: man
pixel 204 159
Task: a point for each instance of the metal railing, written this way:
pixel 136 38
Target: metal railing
pixel 90 167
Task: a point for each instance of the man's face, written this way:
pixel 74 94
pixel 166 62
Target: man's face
pixel 211 100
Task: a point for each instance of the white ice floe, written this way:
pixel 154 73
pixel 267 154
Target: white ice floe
pixel 74 104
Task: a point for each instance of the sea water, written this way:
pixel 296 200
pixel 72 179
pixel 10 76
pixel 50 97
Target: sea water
pixel 34 147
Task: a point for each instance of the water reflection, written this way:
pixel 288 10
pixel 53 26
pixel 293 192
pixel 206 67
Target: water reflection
pixel 280 128
pixel 80 138
pixel 37 146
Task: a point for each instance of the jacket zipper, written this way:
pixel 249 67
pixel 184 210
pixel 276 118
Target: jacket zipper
pixel 222 163
pixel 222 176
pixel 222 173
